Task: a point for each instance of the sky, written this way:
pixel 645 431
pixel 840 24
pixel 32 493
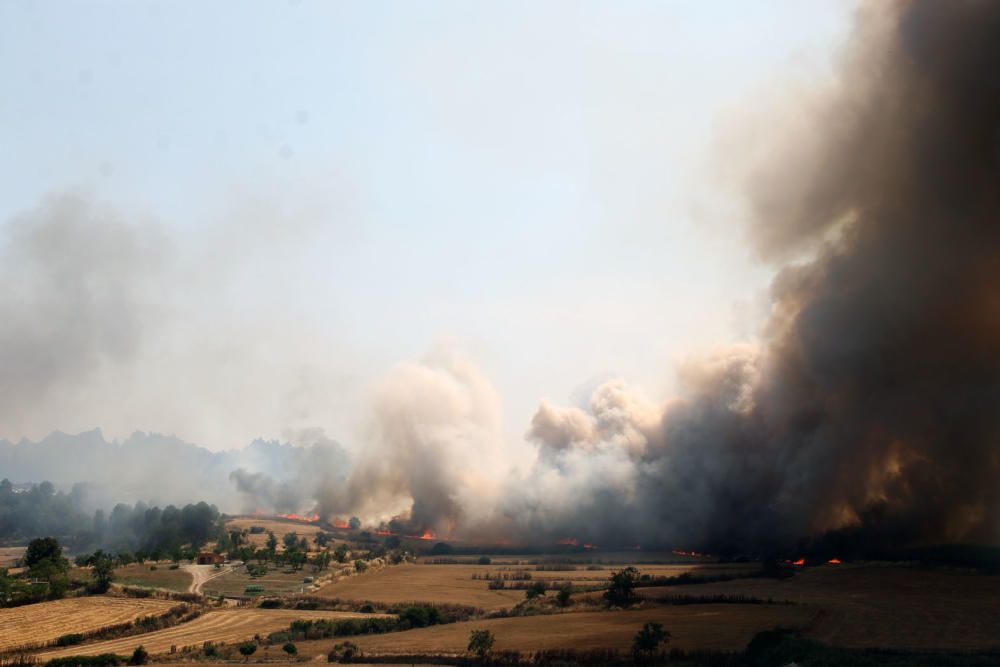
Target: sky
pixel 320 191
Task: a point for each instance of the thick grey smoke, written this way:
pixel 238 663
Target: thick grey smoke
pixel 870 405
pixel 73 282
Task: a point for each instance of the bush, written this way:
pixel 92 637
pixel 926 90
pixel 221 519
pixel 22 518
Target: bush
pixel 69 640
pixel 175 566
pixel 536 589
pixel 481 643
pixel 271 603
pixel 562 597
pixel 210 650
pixel 139 656
pixel 621 590
pixel 484 560
pixel 366 609
pixel 290 648
pixel 345 652
pixel 152 568
pixel 419 617
pixel 248 649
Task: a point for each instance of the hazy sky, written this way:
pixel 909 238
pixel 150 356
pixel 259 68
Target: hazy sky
pixel 328 189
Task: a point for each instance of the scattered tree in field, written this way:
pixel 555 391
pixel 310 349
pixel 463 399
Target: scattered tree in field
pixel 537 589
pixel 481 643
pixel 139 656
pixel 291 540
pixel 562 597
pixel 272 543
pixel 345 652
pixel 247 650
pixel 648 640
pixel 354 523
pixel 621 590
pixel 103 572
pixel 290 648
pixel 340 552
pixel 360 565
pixel 40 549
pixel 322 539
pixel 484 560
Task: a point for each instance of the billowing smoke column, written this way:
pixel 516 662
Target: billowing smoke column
pixel 871 404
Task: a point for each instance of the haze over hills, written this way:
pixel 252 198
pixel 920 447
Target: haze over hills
pixel 160 469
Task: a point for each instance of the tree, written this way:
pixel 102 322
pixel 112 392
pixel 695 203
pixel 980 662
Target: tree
pixel 340 552
pixel 291 541
pixel 648 640
pixel 354 523
pixel 484 560
pixel 481 643
pixel 272 542
pixel 537 589
pixel 139 656
pixel 562 597
pixel 103 573
pixel 247 650
pixel 42 548
pixel 322 539
pixel 290 648
pixel 621 589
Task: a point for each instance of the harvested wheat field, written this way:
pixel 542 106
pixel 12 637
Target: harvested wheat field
pixel 38 624
pixel 424 583
pixel 277 526
pixel 223 625
pixel 882 606
pixel 162 577
pixel 455 583
pixel 716 626
pixel 10 555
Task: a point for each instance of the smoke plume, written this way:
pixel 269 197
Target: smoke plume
pixel 869 404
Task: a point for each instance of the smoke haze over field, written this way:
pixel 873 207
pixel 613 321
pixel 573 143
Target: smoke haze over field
pixel 866 408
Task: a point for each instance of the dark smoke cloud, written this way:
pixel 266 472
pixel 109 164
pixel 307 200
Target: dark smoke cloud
pixel 871 406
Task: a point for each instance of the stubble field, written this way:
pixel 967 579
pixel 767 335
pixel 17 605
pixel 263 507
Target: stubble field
pixel 38 624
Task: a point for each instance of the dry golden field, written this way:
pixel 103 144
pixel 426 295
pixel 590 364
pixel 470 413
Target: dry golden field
pixel 222 625
pixel 277 526
pixel 718 626
pixel 161 577
pixel 10 555
pixel 37 624
pixel 881 606
pixel 454 583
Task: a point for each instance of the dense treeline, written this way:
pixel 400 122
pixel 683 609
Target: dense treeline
pixel 43 511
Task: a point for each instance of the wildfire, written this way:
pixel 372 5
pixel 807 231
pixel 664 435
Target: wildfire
pixel 571 541
pixel 428 535
pixel 834 561
pixel 801 561
pixel 340 523
pixel 312 518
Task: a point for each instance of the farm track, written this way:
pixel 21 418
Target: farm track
pixel 36 624
pixel 220 626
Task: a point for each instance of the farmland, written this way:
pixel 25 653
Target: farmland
pixel 219 626
pixel 276 581
pixel 883 606
pixel 44 622
pixel 698 626
pixel 147 577
pixel 277 526
pixel 455 583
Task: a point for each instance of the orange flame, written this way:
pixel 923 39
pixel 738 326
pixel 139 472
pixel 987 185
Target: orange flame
pixel 571 541
pixel 834 561
pixel 801 561
pixel 340 523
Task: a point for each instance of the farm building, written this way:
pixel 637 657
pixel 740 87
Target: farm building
pixel 209 558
